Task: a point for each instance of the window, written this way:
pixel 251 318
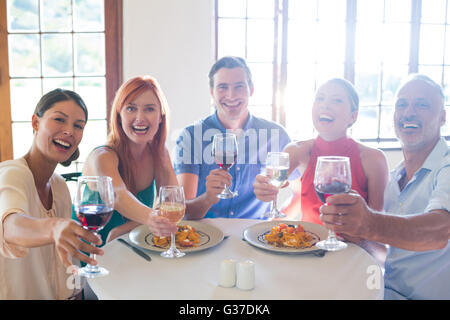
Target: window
pixel 60 43
pixel 372 43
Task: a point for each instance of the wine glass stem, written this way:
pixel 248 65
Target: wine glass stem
pixel 331 236
pixel 274 204
pixel 172 242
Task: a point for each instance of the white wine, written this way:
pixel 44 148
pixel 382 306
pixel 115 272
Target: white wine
pixel 172 211
pixel 278 175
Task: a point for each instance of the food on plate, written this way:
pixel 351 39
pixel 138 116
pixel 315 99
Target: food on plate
pixel 185 237
pixel 289 236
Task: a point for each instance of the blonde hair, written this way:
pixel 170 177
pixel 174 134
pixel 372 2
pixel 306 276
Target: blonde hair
pixel 118 140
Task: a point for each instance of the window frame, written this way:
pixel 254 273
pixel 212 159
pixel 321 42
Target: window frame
pixel 281 10
pixel 113 13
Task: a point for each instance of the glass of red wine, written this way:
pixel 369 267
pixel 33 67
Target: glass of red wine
pixel 332 176
pixel 224 151
pixel 94 206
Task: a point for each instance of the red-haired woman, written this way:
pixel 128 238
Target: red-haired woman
pixel 135 157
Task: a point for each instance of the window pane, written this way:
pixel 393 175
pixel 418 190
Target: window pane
pixel 366 126
pixel 302 38
pixel 25 94
pixel 232 8
pixel 300 93
pixel 398 10
pixel 93 92
pixel 88 15
pixel 57 54
pixel 56 15
pixel 326 71
pixel 24 55
pixel 446 87
pixel 262 75
pixel 331 44
pixel 433 11
pixel 387 129
pixel 50 84
pixel 22 133
pixel 257 50
pixel 303 10
pixel 89 54
pixel 392 78
pixel 231 37
pixel 332 10
pixel 396 42
pixel 23 15
pixel 366 84
pixel 431 45
pixel 260 8
pixel 368 42
pixel 370 10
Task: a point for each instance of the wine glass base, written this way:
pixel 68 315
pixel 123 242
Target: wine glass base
pixel 227 195
pixel 92 272
pixel 172 254
pixel 334 245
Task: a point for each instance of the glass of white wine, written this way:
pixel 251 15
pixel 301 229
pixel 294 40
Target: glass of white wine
pixel 277 167
pixel 172 206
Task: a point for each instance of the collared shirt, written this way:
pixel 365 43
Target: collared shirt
pixel 424 274
pixel 258 137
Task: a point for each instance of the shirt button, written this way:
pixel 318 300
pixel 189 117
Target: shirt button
pixel 238 168
pixel 231 213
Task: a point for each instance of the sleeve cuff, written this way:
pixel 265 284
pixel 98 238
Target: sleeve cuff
pixel 8 250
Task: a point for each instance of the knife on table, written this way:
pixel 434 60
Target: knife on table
pixel 138 251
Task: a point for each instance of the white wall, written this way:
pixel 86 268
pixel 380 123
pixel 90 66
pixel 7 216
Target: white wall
pixel 173 40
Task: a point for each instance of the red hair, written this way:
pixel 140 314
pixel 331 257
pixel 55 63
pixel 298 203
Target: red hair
pixel 118 140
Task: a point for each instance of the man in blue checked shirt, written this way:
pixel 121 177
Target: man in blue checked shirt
pixel 231 87
pixel 416 221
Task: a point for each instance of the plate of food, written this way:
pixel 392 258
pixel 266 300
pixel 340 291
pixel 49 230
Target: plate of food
pixel 286 236
pixel 191 236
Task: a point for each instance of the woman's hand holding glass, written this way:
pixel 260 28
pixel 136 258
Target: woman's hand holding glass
pixel 67 235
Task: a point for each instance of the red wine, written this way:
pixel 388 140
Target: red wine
pixel 325 190
pixel 94 217
pixel 225 160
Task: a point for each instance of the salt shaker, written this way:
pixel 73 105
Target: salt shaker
pixel 245 279
pixel 227 275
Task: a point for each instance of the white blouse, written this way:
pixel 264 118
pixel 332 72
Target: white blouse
pixel 34 273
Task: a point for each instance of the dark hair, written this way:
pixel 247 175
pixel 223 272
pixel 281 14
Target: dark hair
pixel 229 62
pixel 351 92
pixel 49 99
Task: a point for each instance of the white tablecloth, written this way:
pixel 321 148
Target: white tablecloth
pixel 346 274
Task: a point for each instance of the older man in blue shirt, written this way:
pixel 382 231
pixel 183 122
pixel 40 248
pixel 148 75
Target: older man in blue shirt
pixel 416 222
pixel 231 87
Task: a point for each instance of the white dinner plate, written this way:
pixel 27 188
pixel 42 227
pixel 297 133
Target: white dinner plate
pixel 255 236
pixel 209 237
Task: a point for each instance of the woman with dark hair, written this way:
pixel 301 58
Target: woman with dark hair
pixel 37 237
pixel 135 157
pixel 334 111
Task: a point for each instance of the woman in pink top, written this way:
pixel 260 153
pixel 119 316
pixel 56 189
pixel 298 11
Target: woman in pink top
pixel 335 109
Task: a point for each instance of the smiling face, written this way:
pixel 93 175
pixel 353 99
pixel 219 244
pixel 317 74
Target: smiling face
pixel 331 112
pixel 419 115
pixel 231 92
pixel 59 131
pixel 140 118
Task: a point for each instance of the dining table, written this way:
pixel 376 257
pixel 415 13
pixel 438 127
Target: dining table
pixel 348 274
